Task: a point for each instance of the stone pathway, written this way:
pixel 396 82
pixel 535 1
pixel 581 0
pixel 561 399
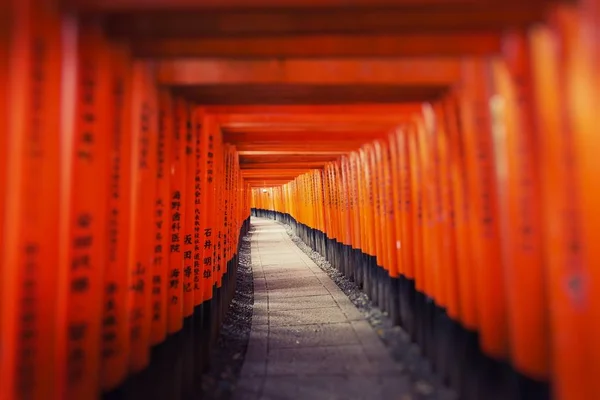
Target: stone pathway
pixel 308 341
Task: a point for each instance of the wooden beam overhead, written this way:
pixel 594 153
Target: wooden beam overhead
pixel 339 109
pixel 291 153
pixel 409 72
pixel 284 94
pixel 296 158
pixel 346 20
pixel 316 46
pixel 306 122
pixel 300 148
pixel 265 183
pixel 309 139
pixel 137 5
pixel 285 165
pixel 273 173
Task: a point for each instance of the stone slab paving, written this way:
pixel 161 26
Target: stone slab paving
pixel 308 341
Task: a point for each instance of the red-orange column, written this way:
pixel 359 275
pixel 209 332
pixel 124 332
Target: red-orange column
pixel 30 138
pixel 176 209
pixel 228 218
pixel 396 199
pixel 391 236
pixel 228 211
pixel 197 258
pixel 354 201
pixel 217 151
pixel 489 275
pixel 445 215
pixel 519 182
pixel 6 33
pixel 584 96
pixel 144 158
pixel 416 179
pixel 417 201
pixel 365 204
pixel 375 163
pixel 348 221
pixel 337 204
pixel 407 204
pixel 115 321
pixel 189 203
pixel 219 159
pixel 162 219
pixel 208 202
pixel 462 216
pixel 84 215
pixel 435 216
pixel 380 192
pixel 554 58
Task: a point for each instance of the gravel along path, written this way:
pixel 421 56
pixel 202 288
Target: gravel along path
pixel 425 383
pixel 228 356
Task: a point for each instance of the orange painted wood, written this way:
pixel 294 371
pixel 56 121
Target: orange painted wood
pixel 299 94
pixel 319 109
pixel 116 312
pixel 584 95
pixel 326 203
pixel 177 221
pixel 144 159
pixel 363 204
pixel 416 179
pixel 426 129
pixel 284 153
pixel 323 122
pixel 417 45
pixel 207 216
pixel 375 162
pixel 479 150
pixel 348 226
pixel 462 216
pixel 227 201
pixel 518 161
pixel 447 215
pixel 390 237
pixel 556 59
pixel 406 71
pixel 189 132
pixel 198 200
pixel 287 166
pixel 354 200
pixel 31 168
pixel 347 20
pixel 219 187
pixel 162 220
pixel 84 195
pixel 339 186
pixel 397 199
pixel 6 34
pixel 343 145
pixel 407 204
pixel 116 5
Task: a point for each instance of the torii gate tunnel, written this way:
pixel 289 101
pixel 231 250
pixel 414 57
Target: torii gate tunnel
pixel 442 154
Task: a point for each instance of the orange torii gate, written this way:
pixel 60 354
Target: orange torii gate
pixel 441 153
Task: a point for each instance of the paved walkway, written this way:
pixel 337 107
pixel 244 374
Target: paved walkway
pixel 308 341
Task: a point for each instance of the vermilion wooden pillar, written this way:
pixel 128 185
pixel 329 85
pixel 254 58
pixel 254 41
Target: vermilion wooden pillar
pixel 116 306
pixel 84 193
pixel 30 118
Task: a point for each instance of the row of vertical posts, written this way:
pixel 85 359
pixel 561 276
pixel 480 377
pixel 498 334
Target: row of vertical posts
pixel 121 212
pixel 474 223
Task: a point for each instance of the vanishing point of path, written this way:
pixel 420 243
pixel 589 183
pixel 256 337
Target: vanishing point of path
pixel 308 341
